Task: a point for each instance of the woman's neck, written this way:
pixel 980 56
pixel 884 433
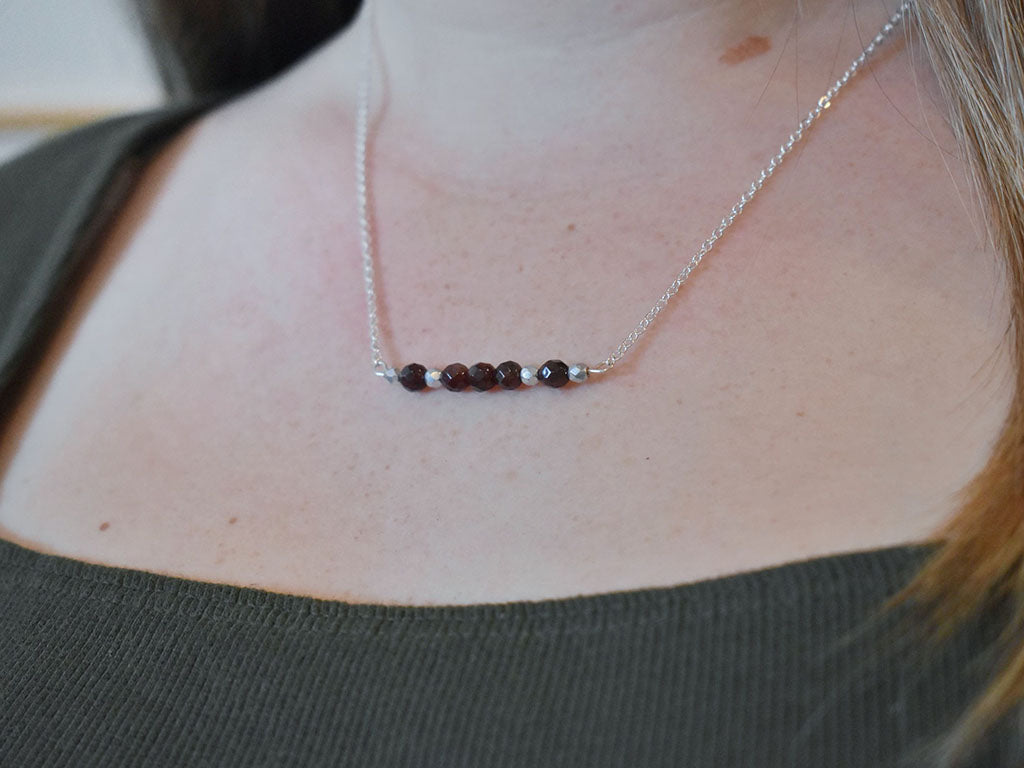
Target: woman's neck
pixel 476 88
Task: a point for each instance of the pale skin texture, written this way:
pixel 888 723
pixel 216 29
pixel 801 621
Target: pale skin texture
pixel 829 376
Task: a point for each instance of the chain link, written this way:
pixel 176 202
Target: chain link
pixel 365 241
pixel 609 362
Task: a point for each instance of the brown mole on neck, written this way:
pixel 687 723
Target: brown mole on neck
pixel 752 45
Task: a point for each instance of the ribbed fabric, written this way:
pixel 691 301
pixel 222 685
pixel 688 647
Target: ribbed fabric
pixel 117 667
pixel 104 666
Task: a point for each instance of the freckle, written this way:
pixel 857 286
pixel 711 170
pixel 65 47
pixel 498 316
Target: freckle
pixel 447 286
pixel 679 401
pixel 792 294
pixel 511 475
pixel 753 45
pixel 232 521
pixel 520 269
pixel 800 413
pixel 104 526
pixel 387 466
pixel 571 227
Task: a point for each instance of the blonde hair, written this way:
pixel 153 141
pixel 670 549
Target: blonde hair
pixel 976 50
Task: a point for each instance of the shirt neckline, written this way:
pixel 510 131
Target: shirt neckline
pixel 855 575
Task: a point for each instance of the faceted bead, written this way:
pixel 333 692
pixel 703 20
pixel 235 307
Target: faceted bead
pixel 507 375
pixel 412 375
pixel 390 375
pixel 528 374
pixel 578 373
pixel 481 377
pixel 554 373
pixel 433 378
pixel 455 377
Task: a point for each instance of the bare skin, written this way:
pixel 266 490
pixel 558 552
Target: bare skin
pixel 829 376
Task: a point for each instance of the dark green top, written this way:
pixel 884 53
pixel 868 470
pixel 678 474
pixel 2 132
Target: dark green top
pixel 104 666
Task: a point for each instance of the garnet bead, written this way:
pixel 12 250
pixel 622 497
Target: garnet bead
pixel 455 377
pixel 411 377
pixel 481 377
pixel 554 373
pixel 507 375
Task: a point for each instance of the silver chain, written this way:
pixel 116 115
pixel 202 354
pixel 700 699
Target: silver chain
pixel 366 242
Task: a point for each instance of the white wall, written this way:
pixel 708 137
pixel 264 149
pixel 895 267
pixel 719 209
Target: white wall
pixel 67 60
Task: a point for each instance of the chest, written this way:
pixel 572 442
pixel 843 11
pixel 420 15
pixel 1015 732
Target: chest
pixel 212 412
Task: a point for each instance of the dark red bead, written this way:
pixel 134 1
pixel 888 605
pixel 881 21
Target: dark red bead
pixel 455 377
pixel 411 377
pixel 507 375
pixel 481 377
pixel 554 373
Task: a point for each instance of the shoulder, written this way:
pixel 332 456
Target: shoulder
pixel 49 193
pixel 51 197
pixel 40 182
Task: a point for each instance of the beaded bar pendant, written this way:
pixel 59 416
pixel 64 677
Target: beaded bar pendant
pixel 483 376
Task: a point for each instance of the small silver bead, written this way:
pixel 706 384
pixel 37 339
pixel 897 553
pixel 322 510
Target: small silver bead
pixel 433 378
pixel 390 375
pixel 528 374
pixel 578 373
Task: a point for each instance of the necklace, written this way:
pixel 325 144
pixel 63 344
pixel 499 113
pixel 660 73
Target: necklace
pixel 554 373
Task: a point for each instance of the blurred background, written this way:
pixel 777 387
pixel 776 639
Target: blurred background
pixel 63 62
